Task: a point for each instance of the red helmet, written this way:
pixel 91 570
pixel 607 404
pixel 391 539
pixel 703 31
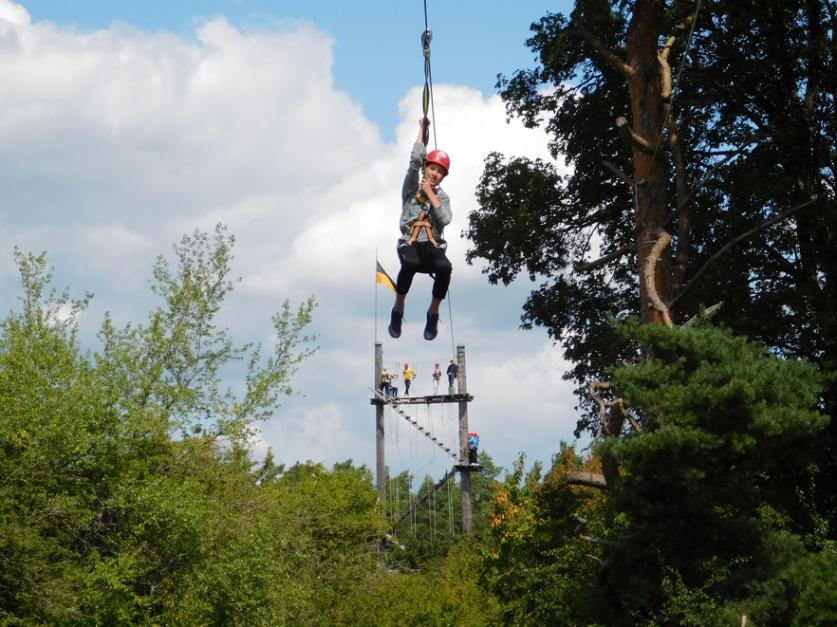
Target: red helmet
pixel 406 365
pixel 439 157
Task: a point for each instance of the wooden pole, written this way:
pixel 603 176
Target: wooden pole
pixel 380 464
pixel 464 471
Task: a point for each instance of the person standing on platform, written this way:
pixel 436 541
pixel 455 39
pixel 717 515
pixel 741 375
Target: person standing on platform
pixel 385 382
pixel 473 445
pixel 393 389
pixel 453 373
pixel 437 376
pixel 408 375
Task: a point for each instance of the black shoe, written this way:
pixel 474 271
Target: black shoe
pixel 395 318
pixel 431 328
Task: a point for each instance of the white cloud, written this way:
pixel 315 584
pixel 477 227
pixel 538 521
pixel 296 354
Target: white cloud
pixel 115 143
pixel 13 13
pixel 320 433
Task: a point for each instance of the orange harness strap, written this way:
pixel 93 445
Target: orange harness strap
pixel 422 223
pixel 418 225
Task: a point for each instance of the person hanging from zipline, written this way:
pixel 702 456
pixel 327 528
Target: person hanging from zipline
pixel 425 213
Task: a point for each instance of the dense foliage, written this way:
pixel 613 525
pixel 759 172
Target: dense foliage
pixel 751 134
pixel 718 504
pixel 709 521
pixel 128 494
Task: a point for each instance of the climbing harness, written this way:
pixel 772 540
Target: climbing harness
pixel 418 225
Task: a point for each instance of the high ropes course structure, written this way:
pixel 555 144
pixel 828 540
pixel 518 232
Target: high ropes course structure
pixel 406 406
pixel 401 406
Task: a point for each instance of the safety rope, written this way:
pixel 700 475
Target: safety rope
pixel 433 516
pixel 450 318
pixel 427 103
pixel 450 510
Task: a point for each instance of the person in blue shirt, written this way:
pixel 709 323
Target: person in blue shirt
pixel 473 445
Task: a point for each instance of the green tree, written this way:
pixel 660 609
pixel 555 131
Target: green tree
pixel 704 516
pixel 745 134
pixel 169 368
pixel 127 492
pixel 435 524
pixel 704 523
pixel 538 560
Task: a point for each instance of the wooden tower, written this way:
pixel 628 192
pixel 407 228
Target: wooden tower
pixel 458 396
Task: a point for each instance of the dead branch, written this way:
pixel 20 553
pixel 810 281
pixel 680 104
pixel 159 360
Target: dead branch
pixel 683 203
pixel 648 272
pixel 587 479
pixel 619 405
pixel 617 171
pixel 789 268
pixel 592 265
pixel 684 199
pixel 703 315
pixel 754 231
pixel 582 34
pixel 612 413
pixel 665 68
pixel 716 153
pixel 601 541
pixel 633 140
pixel 662 58
pixel 592 388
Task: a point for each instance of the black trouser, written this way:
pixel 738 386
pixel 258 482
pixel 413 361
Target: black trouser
pixel 426 258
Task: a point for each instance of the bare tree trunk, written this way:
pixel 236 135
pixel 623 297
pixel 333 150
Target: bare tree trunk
pixel 647 114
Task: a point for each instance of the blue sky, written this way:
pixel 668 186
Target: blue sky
pixel 127 124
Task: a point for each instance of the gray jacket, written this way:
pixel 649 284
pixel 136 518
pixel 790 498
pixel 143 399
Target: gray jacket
pixel 411 207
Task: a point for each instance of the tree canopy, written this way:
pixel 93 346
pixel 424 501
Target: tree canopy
pixel 699 142
pixel 741 131
pixel 129 492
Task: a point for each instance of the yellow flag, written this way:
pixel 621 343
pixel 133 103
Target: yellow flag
pixel 382 277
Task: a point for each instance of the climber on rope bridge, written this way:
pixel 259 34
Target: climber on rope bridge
pixel 421 248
